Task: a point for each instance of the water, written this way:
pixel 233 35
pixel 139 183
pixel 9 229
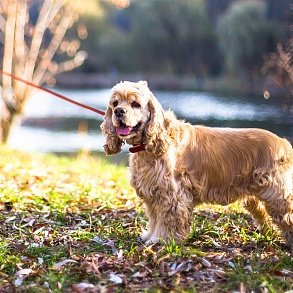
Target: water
pixel 53 125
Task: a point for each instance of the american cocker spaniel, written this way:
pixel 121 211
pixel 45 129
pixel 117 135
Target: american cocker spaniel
pixel 181 165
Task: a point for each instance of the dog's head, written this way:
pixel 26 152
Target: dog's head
pixel 133 115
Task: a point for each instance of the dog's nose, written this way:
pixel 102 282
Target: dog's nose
pixel 119 112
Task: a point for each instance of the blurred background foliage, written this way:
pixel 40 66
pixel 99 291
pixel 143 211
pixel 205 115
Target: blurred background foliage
pixel 206 40
pixel 218 45
pixel 191 37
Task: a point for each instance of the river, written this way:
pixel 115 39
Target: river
pixel 52 125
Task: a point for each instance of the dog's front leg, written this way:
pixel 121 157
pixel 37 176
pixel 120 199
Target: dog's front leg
pixel 151 214
pixel 170 216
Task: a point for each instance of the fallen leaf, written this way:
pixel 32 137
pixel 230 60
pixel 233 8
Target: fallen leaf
pixel 23 272
pixel 248 268
pixel 216 244
pixel 36 232
pixel 18 282
pixel 140 275
pixel 206 262
pixel 120 254
pixel 282 273
pixel 115 279
pixel 46 285
pixel 83 286
pixel 231 264
pixel 98 240
pixel 218 272
pixel 173 267
pixel 58 266
pixel 179 268
pixel 21 275
pixel 10 219
pixel 112 245
pixel 40 260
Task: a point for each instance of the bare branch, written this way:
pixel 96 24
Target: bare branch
pixel 67 65
pixel 57 38
pixel 2 24
pixel 8 51
pixel 37 39
pixel 21 48
pixel 54 11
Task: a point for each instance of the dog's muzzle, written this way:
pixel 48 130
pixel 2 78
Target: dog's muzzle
pixel 120 112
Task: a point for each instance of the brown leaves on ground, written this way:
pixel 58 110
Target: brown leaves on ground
pixel 99 252
pixel 73 226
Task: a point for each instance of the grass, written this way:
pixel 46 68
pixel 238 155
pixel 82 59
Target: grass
pixel 72 225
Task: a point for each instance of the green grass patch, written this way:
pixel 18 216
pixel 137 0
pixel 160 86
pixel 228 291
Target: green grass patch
pixel 72 225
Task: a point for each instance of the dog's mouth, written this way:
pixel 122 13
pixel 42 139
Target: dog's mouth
pixel 124 130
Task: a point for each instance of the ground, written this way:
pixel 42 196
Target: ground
pixel 72 225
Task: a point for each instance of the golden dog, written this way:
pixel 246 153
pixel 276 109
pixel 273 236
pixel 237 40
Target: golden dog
pixel 184 165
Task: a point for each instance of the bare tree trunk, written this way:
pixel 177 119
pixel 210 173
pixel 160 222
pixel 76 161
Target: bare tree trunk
pixel 26 55
pixel 6 121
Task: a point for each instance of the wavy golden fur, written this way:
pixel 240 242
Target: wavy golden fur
pixel 184 165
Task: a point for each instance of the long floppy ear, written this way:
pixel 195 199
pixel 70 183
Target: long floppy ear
pixel 157 138
pixel 113 142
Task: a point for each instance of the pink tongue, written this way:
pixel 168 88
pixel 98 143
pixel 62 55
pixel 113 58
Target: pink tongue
pixel 123 130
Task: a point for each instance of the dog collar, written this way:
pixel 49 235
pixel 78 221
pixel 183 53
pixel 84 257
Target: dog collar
pixel 137 148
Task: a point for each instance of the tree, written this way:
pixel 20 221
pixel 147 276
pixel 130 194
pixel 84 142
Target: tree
pixel 177 34
pixel 32 34
pixel 245 36
pixel 280 65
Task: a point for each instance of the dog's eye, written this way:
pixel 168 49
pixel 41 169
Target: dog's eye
pixel 115 103
pixel 135 105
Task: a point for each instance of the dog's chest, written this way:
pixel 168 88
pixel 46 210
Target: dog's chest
pixel 148 176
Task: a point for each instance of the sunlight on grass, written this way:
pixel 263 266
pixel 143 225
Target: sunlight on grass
pixel 70 221
pixel 63 184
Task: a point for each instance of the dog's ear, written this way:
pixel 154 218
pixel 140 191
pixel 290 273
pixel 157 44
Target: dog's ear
pixel 157 139
pixel 113 142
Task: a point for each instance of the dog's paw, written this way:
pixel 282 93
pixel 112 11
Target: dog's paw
pixel 152 240
pixel 146 234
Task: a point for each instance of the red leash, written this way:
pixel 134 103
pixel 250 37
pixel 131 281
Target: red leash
pixel 54 93
pixel 133 149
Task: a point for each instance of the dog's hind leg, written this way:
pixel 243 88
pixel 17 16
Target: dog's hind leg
pixel 275 191
pixel 280 208
pixel 259 213
pixel 281 211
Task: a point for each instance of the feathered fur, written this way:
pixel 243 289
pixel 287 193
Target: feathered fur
pixel 185 165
